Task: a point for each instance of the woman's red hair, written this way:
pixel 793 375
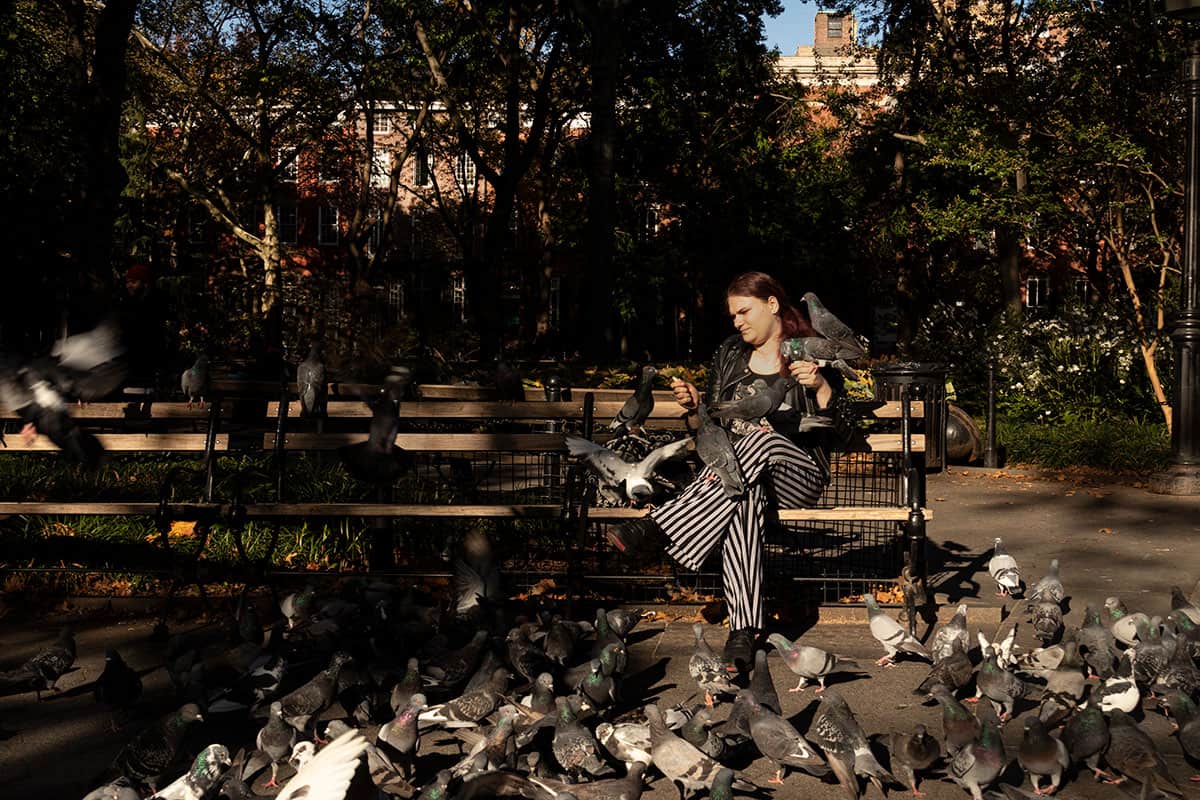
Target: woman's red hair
pixel 763 286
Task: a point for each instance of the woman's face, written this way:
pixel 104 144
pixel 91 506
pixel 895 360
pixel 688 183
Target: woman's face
pixel 756 320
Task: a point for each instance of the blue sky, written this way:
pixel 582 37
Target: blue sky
pixel 792 28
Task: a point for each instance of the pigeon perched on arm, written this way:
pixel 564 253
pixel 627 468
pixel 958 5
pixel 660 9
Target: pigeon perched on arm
pixel 912 753
pixel 41 672
pixel 829 326
pixel 194 381
pixel 1041 755
pixel 327 775
pixel 206 771
pixel 311 384
pixel 1004 570
pixel 716 451
pixel 823 352
pixel 710 671
pixel 635 411
pixel 810 663
pixel 889 633
pixel 837 732
pixel 762 400
pixel 634 478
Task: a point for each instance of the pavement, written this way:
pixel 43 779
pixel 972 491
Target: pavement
pixel 1112 538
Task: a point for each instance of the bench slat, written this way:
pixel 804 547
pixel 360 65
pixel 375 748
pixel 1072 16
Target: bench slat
pixel 126 443
pixel 536 511
pixel 119 411
pixel 431 442
pixel 835 514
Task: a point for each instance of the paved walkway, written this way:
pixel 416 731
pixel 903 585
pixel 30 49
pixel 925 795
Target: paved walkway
pixel 1110 539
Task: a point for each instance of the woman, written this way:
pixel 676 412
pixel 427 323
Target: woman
pixel 781 465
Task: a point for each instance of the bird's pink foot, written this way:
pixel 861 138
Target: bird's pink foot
pixel 883 662
pixel 821 688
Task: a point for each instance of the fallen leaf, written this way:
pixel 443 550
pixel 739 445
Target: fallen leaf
pixel 1106 530
pixel 940 499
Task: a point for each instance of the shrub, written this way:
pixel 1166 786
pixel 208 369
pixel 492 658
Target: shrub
pixel 1108 444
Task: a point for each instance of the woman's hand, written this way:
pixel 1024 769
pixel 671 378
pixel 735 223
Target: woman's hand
pixel 807 374
pixel 685 394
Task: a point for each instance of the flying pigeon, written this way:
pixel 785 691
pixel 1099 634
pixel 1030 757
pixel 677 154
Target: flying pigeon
pixel 476 575
pixel 194 381
pixel 311 384
pixel 634 412
pixel 327 775
pixel 1004 570
pixel 634 478
pixel 1002 647
pixel 810 663
pixel 889 633
pixel 716 451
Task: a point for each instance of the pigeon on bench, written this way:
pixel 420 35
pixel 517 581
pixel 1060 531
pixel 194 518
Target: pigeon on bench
pixel 637 409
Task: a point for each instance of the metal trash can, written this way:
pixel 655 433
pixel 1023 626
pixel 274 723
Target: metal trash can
pixel 927 383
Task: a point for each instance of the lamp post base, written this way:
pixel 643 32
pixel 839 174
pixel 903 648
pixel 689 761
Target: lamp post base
pixel 1177 479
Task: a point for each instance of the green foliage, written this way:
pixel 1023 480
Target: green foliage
pixel 1115 445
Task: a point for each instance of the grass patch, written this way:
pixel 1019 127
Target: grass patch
pixel 1125 446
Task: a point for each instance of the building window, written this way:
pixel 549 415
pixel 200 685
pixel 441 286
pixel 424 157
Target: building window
pixel 396 300
pixel 381 122
pixel 647 223
pixel 423 169
pixel 833 27
pixel 289 167
pixel 458 295
pixel 1036 290
pixel 381 169
pixel 554 312
pixel 327 225
pixel 197 226
pixel 1083 291
pixel 285 218
pixel 464 172
pixel 375 234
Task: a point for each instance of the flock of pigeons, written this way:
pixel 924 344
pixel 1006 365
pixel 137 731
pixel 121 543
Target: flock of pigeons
pixel 334 698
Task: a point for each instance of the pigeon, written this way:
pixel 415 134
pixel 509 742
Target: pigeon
pixel 830 327
pixel 1181 604
pixel 889 633
pixel 628 788
pixel 195 784
pixel 525 656
pixel 810 663
pixel 946 635
pixel 680 761
pixel 476 576
pixel 1086 737
pixel 1047 620
pixel 911 753
pixel 1187 724
pixel 999 685
pixel 1049 588
pixel 699 732
pixel 762 687
pixel 1121 622
pixel 455 666
pixel 1151 653
pixel 194 381
pixel 959 726
pixel 626 741
pixel 635 479
pixel 383 772
pixel 408 685
pixel 310 383
pixel 953 672
pixel 762 400
pixel 327 775
pixel 466 710
pixel 378 460
pixel 510 388
pixel 298 607
pixel 710 672
pixel 623 620
pixel 977 765
pixel 575 747
pixel 716 451
pixel 598 688
pixel 1041 755
pixel 634 412
pixel 1179 673
pixel 396 384
pixel 120 789
pixel 1096 644
pixel 1003 648
pixel 823 352
pixel 1131 753
pixel 402 735
pixel 300 706
pixel 1004 570
pixel 153 750
pixel 1119 690
pixel 837 732
pixel 118 686
pixel 41 672
pixel 492 751
pixel 780 742
pixel 276 739
pixel 437 789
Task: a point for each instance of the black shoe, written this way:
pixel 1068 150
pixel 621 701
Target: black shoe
pixel 637 538
pixel 739 648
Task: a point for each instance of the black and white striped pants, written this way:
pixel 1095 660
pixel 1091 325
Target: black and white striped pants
pixel 775 469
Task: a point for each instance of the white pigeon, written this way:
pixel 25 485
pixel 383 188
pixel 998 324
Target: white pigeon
pixel 891 635
pixel 617 473
pixel 1003 648
pixel 1004 570
pixel 327 775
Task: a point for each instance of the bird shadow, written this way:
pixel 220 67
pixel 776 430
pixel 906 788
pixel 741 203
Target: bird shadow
pixel 644 685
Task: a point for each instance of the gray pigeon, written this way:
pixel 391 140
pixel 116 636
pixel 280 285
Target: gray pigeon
pixel 493 750
pixel 953 672
pixel 709 670
pixel 195 784
pixel 1178 674
pixel 153 750
pixel 1047 619
pixel 300 706
pixel 946 635
pixel 541 698
pixel 837 732
pixel 510 387
pixel 623 620
pixel 194 381
pixel 327 775
pixel 118 686
pixel 959 726
pixel 120 789
pixel 1041 755
pixel 638 407
pixel 41 672
pixel 1131 753
pixel 978 764
pixel 1050 587
pixel 1096 644
pixel 1121 622
pixel 810 663
pixel 829 326
pixel 466 710
pixel 378 460
pixel 1004 570
pixel 438 789
pixel 575 747
pixel 311 383
pixel 823 352
pixel 761 684
pixel 1086 737
pixel 716 451
pixel 628 788
pixel 276 740
pixel 889 633
pixel 680 761
pixel 999 685
pixel 912 753
pixel 635 479
pixel 762 400
pixel 1183 712
pixel 780 742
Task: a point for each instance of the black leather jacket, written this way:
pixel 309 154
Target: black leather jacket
pixel 731 364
